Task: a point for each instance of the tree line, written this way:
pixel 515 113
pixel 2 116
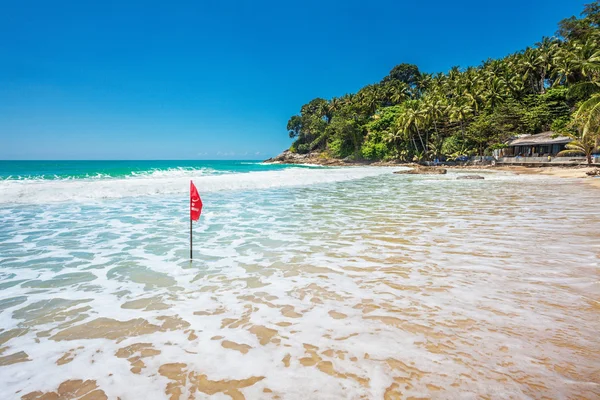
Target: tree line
pixel 414 116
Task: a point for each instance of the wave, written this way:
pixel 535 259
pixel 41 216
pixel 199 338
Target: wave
pixel 112 175
pixel 173 181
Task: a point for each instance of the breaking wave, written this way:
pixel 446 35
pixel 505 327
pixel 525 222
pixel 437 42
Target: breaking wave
pixel 171 181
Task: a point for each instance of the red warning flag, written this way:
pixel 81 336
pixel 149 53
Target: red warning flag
pixel 195 203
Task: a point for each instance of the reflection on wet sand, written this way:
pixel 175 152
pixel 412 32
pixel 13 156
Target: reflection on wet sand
pixel 71 389
pixel 405 293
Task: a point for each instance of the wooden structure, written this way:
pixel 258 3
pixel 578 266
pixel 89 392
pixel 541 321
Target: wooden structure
pixel 540 145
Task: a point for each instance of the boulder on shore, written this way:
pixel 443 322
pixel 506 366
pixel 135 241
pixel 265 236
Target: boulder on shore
pixel 594 172
pixel 423 170
pixel 470 177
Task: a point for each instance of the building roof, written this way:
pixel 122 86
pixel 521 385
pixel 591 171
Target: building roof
pixel 540 138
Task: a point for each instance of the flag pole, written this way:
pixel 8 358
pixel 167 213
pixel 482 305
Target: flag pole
pixel 195 211
pixel 191 205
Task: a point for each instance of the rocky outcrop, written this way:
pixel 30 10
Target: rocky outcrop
pixel 317 158
pixel 423 170
pixel 287 157
pixel 470 177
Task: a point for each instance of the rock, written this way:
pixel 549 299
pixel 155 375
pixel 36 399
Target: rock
pixel 470 177
pixel 317 158
pixel 594 172
pixel 423 170
pixel 289 157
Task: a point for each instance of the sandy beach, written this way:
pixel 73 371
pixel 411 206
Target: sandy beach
pixel 578 172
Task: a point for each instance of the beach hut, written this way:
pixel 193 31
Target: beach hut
pixel 540 145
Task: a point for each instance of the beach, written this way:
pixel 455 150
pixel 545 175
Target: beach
pixel 306 283
pixel 578 172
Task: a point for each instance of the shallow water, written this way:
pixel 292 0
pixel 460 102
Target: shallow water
pixel 317 283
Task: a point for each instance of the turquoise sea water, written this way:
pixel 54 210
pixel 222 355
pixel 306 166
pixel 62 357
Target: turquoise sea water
pixel 120 169
pixel 306 283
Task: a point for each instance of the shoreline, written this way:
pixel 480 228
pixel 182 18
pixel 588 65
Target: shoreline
pixel 574 172
pixel 378 276
pixel 570 172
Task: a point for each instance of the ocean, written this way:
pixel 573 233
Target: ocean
pixel 307 282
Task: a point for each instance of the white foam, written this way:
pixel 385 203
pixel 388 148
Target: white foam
pixel 171 182
pixel 427 252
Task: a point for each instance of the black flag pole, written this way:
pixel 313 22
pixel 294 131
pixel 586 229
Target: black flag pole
pixel 191 256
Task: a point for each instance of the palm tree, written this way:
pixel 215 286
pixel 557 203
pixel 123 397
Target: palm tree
pixel 412 119
pixel 565 67
pixel 546 52
pixel 495 92
pixel 369 98
pixel 586 57
pixel 589 111
pixel 585 145
pixel 434 109
pixel 326 111
pixel 336 104
pixel 423 82
pixel 532 65
pixel 460 112
pixel 587 118
pixel 398 92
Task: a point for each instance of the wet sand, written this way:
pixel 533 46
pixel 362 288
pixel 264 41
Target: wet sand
pixel 560 172
pixel 393 287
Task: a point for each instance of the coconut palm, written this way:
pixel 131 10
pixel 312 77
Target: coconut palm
pixel 460 112
pixel 369 98
pixel 336 104
pixel 435 110
pixel 546 51
pixel 412 119
pixel 586 57
pixel 586 146
pixel 495 92
pixel 531 64
pixel 564 68
pixel 587 117
pixel 414 110
pixel 397 92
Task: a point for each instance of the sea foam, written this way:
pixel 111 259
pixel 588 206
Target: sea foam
pixel 359 288
pixel 171 182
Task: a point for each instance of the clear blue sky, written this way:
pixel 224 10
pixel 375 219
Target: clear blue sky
pixel 218 79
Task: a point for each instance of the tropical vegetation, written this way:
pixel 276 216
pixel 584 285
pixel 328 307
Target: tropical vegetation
pixel 415 116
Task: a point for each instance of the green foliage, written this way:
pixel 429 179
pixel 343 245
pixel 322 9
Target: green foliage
pixel 346 137
pixel 294 126
pixel 375 146
pixel 409 115
pixel 562 125
pixel 543 110
pixel 574 28
pixel 407 73
pixel 303 148
pixel 451 145
pixel 374 151
pixel 385 120
pixel 585 146
pixel 338 148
